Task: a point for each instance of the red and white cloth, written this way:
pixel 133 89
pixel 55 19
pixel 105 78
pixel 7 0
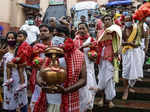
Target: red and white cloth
pixel 74 60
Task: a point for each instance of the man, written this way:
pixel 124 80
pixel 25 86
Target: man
pixel 31 29
pixel 83 19
pixel 133 55
pixel 107 60
pixel 45 41
pixel 87 93
pixel 52 21
pixel 76 78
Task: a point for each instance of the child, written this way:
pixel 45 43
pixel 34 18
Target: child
pixel 12 101
pixel 23 55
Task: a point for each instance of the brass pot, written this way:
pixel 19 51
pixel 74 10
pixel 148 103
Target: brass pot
pixel 53 74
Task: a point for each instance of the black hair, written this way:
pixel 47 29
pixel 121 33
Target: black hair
pixel 44 25
pixel 15 36
pixel 50 28
pixel 11 32
pixel 106 16
pixel 62 29
pixel 84 24
pixel 82 16
pixel 24 33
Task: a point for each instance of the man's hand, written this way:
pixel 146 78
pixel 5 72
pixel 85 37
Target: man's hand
pixel 61 89
pixel 11 64
pixel 55 89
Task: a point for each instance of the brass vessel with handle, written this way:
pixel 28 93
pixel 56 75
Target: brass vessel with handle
pixel 53 74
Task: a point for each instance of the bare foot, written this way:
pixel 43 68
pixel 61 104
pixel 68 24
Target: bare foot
pixel 111 104
pixel 139 79
pixel 125 95
pixel 131 90
pixel 101 102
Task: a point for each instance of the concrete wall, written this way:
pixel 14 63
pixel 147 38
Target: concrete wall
pixel 17 14
pixel 43 5
pixel 11 15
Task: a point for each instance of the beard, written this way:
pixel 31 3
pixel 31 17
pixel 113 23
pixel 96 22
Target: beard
pixel 44 37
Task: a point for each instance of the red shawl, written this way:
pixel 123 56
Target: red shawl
pixel 37 50
pixel 79 40
pixel 41 104
pixel 74 61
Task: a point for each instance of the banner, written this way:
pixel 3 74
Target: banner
pixel 56 2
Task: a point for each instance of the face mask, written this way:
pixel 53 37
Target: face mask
pixel 30 22
pixel 147 20
pixel 58 40
pixel 11 43
pixel 125 13
pixel 128 24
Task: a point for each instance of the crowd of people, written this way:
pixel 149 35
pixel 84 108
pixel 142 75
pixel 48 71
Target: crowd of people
pixel 94 55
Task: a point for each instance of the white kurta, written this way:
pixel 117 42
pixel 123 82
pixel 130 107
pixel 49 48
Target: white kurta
pixel 13 99
pixel 87 96
pixel 105 78
pixel 132 67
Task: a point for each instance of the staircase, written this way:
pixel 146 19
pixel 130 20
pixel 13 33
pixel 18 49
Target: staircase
pixel 137 102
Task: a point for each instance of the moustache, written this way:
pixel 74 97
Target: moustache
pixel 42 37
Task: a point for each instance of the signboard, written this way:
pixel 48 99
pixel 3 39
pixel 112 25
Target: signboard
pixel 56 2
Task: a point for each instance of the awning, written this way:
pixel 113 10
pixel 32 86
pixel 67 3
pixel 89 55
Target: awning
pixel 34 6
pixel 120 2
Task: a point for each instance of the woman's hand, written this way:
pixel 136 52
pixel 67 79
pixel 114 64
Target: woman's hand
pixel 11 64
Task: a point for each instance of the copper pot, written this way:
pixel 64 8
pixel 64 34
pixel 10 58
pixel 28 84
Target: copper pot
pixel 53 74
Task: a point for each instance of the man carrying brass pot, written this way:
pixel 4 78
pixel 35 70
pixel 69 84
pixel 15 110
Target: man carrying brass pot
pixel 74 63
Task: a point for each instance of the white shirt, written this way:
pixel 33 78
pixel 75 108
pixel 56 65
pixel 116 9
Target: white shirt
pixel 32 32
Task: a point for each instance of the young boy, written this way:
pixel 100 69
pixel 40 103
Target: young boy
pixel 22 58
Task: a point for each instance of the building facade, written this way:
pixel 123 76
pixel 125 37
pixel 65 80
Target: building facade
pixel 12 14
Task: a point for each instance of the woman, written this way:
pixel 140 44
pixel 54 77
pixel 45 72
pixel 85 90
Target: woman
pixel 87 93
pixel 13 100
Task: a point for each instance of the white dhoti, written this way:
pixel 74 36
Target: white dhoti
pixel 105 77
pixel 132 65
pixel 87 96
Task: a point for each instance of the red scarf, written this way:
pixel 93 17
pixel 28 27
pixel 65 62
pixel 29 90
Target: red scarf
pixel 41 104
pixel 78 41
pixel 74 61
pixel 37 50
pixel 108 51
